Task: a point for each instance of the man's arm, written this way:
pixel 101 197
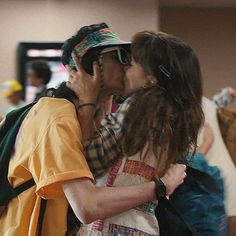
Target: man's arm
pixel 91 203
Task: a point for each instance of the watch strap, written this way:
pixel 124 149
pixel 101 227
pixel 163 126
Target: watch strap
pixel 160 189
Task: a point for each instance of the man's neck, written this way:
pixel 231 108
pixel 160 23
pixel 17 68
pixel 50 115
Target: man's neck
pixel 104 105
pixel 105 94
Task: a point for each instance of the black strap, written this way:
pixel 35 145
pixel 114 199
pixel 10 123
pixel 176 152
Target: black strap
pixel 28 184
pixel 41 215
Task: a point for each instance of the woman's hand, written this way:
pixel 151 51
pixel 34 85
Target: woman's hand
pixel 173 177
pixel 85 86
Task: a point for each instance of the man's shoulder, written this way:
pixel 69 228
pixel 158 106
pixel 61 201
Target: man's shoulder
pixel 49 110
pixel 54 106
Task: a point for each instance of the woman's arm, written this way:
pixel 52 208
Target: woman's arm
pixel 91 203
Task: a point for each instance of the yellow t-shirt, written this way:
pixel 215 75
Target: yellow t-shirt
pixel 48 148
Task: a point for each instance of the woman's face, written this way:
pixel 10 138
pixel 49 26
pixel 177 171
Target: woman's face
pixel 135 78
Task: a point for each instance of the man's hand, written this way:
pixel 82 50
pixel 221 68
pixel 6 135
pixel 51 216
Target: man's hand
pixel 173 177
pixel 85 86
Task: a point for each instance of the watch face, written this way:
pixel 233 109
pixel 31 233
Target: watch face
pixel 160 189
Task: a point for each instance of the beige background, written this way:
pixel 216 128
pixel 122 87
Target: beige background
pixel 212 33
pixel 56 20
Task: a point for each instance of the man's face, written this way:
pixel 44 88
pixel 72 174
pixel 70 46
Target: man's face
pixel 113 72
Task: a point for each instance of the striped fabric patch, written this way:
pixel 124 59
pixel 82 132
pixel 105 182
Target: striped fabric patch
pixel 116 230
pixel 139 168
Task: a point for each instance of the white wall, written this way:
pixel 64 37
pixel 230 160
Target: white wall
pixel 56 20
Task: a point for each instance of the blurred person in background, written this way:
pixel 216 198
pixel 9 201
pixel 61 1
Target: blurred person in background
pixel 222 154
pixel 12 90
pixel 226 116
pixel 38 75
pixel 225 97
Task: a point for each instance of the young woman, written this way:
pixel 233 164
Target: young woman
pixel 162 119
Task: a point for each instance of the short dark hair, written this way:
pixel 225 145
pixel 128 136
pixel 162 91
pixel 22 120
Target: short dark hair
pixel 42 70
pixel 62 91
pixel 90 45
pixel 91 56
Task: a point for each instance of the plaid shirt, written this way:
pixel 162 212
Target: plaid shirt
pixel 103 148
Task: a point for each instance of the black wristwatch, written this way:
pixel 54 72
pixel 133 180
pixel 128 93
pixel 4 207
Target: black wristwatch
pixel 160 189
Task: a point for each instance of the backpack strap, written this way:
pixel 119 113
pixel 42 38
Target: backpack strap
pixel 41 215
pixel 21 188
pixel 13 117
pixel 28 184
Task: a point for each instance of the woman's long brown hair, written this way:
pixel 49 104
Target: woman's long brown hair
pixel 167 116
